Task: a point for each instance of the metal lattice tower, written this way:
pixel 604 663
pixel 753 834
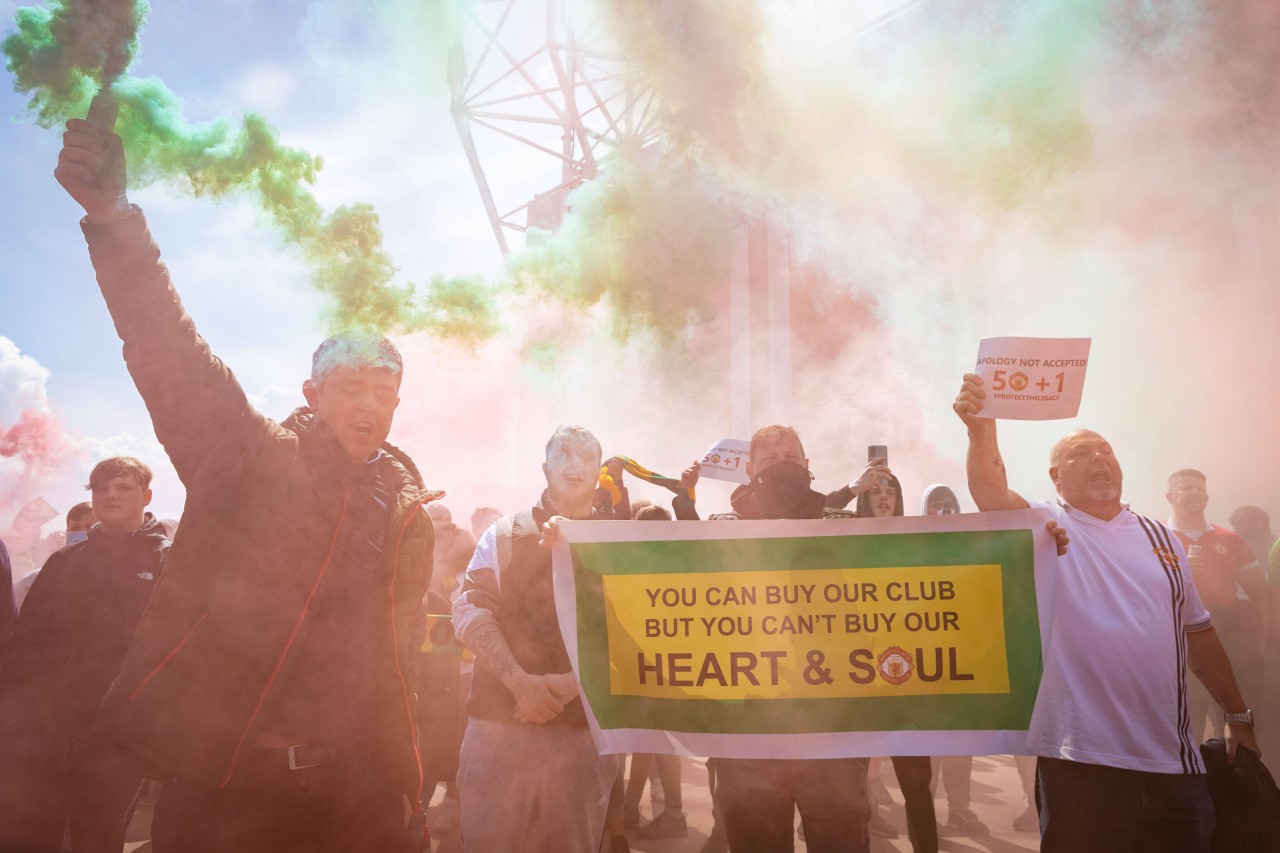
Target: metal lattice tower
pixel 540 73
pixel 542 98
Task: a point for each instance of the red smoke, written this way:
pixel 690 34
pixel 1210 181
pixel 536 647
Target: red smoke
pixel 37 440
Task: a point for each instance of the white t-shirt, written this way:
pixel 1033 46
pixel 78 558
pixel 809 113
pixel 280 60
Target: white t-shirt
pixel 1114 690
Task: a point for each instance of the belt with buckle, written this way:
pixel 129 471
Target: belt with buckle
pixel 299 756
pixel 304 755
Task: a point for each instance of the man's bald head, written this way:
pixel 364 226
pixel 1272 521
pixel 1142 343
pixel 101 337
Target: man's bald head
pixel 1086 472
pixel 1055 454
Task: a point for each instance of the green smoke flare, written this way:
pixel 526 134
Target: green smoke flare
pixel 59 52
pixel 57 56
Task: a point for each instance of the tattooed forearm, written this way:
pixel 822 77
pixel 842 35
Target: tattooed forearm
pixel 999 464
pixel 493 654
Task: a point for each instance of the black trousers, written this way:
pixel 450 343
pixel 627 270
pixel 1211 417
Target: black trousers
pixel 914 774
pixel 85 786
pixel 1111 810
pixel 341 806
pixel 758 799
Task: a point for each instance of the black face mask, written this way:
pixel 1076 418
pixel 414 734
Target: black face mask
pixel 783 488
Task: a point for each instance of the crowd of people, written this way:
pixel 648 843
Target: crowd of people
pixel 75 629
pixel 266 666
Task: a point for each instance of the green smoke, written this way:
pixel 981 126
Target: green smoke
pixel 705 61
pixel 649 238
pixel 991 105
pixel 59 52
pixel 1008 118
pixel 57 56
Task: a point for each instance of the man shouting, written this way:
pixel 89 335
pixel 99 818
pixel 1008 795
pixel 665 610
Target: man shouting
pixel 270 681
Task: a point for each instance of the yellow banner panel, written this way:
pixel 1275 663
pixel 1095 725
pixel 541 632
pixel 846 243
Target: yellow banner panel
pixel 901 631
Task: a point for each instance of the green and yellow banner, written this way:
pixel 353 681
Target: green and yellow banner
pixel 829 638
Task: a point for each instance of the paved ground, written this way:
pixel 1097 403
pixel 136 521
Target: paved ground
pixel 997 800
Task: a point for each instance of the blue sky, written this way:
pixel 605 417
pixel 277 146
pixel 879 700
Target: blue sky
pixel 249 296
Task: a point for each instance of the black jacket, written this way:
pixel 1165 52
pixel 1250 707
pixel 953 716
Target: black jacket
pixel 8 612
pixel 266 504
pixel 75 627
pixel 1246 802
pixel 750 502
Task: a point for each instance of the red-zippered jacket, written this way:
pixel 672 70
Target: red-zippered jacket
pixel 265 508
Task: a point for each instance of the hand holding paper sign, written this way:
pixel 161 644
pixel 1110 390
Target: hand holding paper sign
pixel 1060 538
pixel 727 460
pixel 988 483
pixel 1033 378
pixel 969 403
pixel 33 516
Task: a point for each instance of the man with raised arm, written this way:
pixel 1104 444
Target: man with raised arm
pixel 1118 767
pixel 270 680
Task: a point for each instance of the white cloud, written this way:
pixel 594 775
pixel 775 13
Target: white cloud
pixel 22 382
pixel 40 458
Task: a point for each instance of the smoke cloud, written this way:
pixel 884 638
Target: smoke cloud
pixel 58 54
pixel 959 171
pixel 34 448
pixel 648 239
pixel 964 170
pixel 41 458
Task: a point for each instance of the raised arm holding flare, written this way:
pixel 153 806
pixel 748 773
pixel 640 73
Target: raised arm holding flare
pixel 1117 756
pixel 91 169
pixel 276 656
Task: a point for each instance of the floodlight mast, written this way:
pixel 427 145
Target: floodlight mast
pixel 543 74
pixel 539 73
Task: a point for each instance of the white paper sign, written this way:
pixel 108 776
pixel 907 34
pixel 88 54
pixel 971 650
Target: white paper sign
pixel 727 460
pixel 1032 379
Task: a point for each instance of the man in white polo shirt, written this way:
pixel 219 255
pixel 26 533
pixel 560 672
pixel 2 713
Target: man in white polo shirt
pixel 1118 767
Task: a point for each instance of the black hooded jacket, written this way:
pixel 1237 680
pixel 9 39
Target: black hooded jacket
pixel 759 500
pixel 77 622
pixel 267 512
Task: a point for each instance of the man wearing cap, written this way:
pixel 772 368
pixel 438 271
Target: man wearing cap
pixel 270 682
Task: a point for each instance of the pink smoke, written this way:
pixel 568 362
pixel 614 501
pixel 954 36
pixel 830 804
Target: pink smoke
pixel 34 452
pixel 38 441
